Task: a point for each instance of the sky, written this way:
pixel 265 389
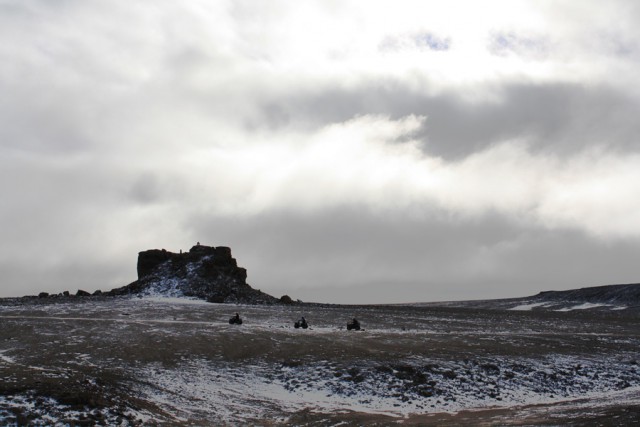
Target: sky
pixel 347 151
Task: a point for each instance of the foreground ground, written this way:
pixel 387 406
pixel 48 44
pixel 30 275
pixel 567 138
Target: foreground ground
pixel 175 362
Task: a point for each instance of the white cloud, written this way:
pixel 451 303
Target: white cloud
pixel 598 192
pixel 373 161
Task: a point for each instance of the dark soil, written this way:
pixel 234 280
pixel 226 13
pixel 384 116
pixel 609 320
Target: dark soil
pixel 118 361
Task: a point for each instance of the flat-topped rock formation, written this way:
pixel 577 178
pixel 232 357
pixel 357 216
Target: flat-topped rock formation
pixel 205 272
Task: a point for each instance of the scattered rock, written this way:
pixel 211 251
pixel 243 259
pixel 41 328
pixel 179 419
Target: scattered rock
pixel 82 293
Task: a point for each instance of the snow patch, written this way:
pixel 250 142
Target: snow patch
pixel 584 306
pixel 175 300
pixel 234 392
pixel 46 411
pixel 573 306
pixel 6 358
pixel 529 307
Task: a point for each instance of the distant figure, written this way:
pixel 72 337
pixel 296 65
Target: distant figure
pixel 235 320
pixel 197 243
pixel 302 323
pixel 353 324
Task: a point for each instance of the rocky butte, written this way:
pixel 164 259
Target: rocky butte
pixel 205 272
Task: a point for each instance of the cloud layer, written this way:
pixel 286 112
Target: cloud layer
pixel 345 151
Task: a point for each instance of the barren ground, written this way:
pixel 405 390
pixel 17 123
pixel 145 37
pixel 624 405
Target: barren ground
pixel 120 361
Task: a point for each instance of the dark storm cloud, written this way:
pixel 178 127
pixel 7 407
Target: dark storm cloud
pixel 352 255
pixel 562 118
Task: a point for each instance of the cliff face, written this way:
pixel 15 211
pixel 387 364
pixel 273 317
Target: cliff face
pixel 206 272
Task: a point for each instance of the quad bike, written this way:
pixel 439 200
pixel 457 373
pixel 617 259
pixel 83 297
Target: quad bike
pixel 353 325
pixel 301 324
pixel 235 321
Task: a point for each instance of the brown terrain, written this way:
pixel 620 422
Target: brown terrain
pixel 153 361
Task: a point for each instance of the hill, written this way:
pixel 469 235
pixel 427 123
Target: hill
pixel 607 297
pixel 205 272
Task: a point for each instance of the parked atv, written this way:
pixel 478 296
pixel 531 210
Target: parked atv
pixel 302 323
pixel 353 325
pixel 235 320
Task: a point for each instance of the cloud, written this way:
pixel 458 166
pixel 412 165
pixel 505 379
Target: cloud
pixel 358 184
pixel 510 43
pixel 561 118
pixel 373 161
pixel 420 40
pixel 355 256
pixel 473 132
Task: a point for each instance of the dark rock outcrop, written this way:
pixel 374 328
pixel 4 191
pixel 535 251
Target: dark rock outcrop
pixel 205 272
pixel 628 294
pixel 82 293
pixel 602 298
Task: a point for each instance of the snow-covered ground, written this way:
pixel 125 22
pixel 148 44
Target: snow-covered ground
pixel 528 307
pixel 566 306
pixel 170 360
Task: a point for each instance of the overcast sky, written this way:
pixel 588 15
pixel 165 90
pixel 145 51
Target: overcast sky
pixel 347 151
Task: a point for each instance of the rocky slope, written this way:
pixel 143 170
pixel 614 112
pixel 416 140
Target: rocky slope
pixel 628 294
pixel 205 272
pixel 608 297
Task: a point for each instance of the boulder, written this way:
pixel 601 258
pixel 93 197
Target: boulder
pixel 82 293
